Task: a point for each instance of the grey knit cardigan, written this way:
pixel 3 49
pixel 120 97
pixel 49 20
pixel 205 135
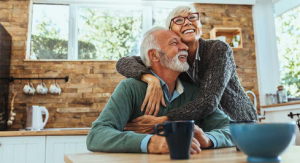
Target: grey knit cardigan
pixel 219 84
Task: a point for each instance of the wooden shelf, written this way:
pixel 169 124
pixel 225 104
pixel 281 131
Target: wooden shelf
pixel 229 33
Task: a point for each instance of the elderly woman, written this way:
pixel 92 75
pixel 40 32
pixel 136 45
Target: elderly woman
pixel 212 68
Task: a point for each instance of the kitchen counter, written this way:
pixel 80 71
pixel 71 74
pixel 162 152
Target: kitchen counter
pixel 44 133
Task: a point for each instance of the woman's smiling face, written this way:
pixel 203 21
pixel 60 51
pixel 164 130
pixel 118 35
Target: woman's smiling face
pixel 188 31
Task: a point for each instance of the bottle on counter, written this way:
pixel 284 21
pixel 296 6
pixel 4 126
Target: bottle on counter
pixel 281 95
pixel 268 99
pixel 275 99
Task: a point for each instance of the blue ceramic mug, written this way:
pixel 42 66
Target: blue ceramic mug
pixel 179 136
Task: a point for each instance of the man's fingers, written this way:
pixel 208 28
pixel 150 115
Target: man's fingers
pixel 137 119
pixel 195 147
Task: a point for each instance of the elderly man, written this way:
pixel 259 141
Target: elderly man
pixel 163 52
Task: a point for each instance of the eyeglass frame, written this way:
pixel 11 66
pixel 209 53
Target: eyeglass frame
pixel 172 20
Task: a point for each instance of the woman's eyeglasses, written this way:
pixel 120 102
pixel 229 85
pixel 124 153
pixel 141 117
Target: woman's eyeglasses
pixel 179 20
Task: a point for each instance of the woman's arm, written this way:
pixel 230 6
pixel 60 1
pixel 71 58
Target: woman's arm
pixel 132 67
pixel 212 86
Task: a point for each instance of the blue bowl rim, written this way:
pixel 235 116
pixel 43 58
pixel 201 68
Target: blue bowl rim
pixel 269 123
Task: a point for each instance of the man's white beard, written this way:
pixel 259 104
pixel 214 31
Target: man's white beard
pixel 174 63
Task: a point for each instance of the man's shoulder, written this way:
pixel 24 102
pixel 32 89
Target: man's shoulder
pixel 131 83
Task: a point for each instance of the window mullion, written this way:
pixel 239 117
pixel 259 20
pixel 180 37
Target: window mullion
pixel 147 19
pixel 75 32
pixel 71 35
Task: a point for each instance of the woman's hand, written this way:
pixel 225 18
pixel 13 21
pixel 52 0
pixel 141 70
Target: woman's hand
pixel 154 95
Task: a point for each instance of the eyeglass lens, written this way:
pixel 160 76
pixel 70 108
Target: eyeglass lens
pixel 180 20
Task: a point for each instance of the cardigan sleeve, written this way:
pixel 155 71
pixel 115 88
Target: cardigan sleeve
pixel 132 67
pixel 220 68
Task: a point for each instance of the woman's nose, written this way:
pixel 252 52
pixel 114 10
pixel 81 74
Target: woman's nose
pixel 187 22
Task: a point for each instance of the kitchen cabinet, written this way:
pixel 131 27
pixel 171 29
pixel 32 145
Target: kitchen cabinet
pixel 279 113
pixel 58 146
pixel 30 149
pixel 41 146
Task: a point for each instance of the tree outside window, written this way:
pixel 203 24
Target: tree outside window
pixel 288 43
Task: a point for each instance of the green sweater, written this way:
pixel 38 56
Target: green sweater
pixel 124 105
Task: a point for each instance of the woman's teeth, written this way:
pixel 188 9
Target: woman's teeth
pixel 188 31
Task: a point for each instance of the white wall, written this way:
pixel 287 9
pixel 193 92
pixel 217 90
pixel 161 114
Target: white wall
pixel 266 48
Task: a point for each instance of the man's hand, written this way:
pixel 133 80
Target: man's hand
pixel 145 124
pixel 158 144
pixel 195 148
pixel 204 141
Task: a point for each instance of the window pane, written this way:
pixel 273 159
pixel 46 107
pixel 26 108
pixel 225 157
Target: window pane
pixel 160 15
pixel 288 44
pixel 50 31
pixel 108 33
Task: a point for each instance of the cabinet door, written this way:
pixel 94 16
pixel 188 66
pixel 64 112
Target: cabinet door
pixel 58 146
pixel 29 149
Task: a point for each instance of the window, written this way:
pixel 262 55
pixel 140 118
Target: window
pixel 91 31
pixel 50 32
pixel 288 44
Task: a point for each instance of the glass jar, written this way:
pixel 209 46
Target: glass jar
pixel 281 95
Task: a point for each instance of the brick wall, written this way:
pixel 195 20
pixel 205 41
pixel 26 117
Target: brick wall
pixel 92 82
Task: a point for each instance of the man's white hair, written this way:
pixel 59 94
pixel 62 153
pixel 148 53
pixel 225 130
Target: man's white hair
pixel 149 42
pixel 178 11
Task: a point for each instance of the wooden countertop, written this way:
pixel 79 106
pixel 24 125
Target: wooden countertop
pixel 43 133
pixel 221 155
pixel 282 104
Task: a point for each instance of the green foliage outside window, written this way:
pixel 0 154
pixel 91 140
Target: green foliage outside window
pixel 114 33
pixel 103 34
pixel 288 43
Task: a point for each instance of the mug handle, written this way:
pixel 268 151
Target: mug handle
pixel 156 130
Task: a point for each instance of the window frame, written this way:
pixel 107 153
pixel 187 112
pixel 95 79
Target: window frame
pixel 74 6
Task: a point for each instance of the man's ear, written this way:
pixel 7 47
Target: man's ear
pixel 153 55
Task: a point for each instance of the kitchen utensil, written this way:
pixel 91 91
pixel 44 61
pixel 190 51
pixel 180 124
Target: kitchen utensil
pixel 42 89
pixel 35 118
pixel 179 135
pixel 55 89
pixel 29 89
pixel 263 142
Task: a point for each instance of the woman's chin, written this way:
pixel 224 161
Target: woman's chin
pixel 189 39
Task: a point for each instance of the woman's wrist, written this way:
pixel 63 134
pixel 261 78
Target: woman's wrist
pixel 148 78
pixel 163 119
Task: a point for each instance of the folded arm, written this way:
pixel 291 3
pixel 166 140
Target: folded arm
pixel 107 133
